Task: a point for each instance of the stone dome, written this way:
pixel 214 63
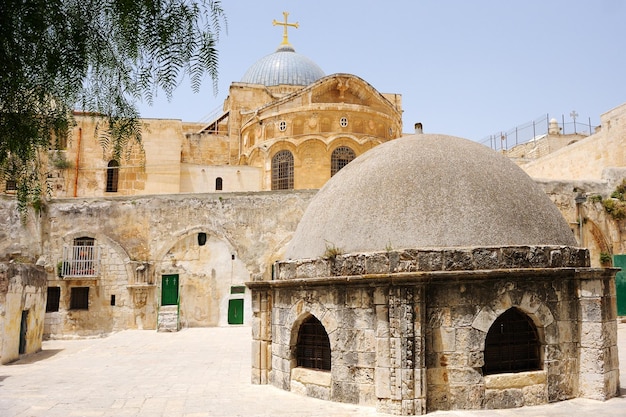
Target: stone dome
pixel 283 67
pixel 428 191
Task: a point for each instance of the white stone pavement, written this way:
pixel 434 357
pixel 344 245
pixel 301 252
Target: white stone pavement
pixel 196 372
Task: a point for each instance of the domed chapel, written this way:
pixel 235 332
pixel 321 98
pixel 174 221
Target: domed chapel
pixel 432 273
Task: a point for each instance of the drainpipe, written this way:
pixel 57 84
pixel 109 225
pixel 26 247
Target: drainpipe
pixel 580 199
pixel 80 136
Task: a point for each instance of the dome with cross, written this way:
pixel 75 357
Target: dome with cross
pixel 285 66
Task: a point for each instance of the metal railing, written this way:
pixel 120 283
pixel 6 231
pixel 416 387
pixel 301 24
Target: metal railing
pixel 505 140
pixel 81 261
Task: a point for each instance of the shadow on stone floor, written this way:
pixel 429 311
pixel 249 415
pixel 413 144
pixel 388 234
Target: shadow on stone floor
pixel 35 357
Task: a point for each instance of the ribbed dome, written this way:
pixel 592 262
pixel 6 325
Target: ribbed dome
pixel 284 66
pixel 428 191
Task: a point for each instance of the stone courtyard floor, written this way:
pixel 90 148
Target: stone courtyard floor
pixel 193 373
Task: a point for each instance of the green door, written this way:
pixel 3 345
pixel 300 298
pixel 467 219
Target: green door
pixel 169 290
pixel 235 311
pixel 619 261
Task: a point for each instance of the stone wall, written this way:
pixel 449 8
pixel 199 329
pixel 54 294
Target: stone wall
pixel 22 296
pixel 142 238
pixel 589 157
pixel 407 329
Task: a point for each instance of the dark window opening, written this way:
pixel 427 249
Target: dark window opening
pixel 237 289
pixel 313 349
pixel 54 296
pixel 11 185
pixel 201 239
pixel 79 299
pixel 113 170
pixel 340 157
pixel 282 171
pixel 218 184
pixel 512 344
pixel 112 299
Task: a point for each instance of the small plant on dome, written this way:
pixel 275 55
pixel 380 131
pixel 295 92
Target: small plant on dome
pixel 332 251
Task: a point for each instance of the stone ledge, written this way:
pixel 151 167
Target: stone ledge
pixel 515 380
pixel 437 259
pixel 311 376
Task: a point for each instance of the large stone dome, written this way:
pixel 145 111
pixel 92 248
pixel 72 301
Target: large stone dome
pixel 283 67
pixel 428 191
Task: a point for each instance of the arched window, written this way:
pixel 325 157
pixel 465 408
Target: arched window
pixel 313 349
pixel 112 176
pixel 340 157
pixel 282 171
pixel 218 184
pixel 512 344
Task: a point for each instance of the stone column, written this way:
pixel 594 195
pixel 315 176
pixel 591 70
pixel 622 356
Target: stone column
pixel 261 335
pixel 400 351
pixel 599 363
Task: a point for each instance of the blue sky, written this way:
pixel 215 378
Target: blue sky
pixel 467 68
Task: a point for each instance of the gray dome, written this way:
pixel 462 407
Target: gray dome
pixel 284 66
pixel 428 191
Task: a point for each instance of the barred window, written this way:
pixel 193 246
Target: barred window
pixel 512 344
pixel 54 296
pixel 82 259
pixel 113 170
pixel 79 298
pixel 340 157
pixel 11 185
pixel 313 349
pixel 282 171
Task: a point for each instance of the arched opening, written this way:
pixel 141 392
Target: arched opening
pixel 218 184
pixel 313 347
pixel 113 169
pixel 512 344
pixel 340 157
pixel 282 171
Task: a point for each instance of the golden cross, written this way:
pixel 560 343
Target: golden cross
pixel 285 24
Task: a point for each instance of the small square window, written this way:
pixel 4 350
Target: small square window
pixel 79 298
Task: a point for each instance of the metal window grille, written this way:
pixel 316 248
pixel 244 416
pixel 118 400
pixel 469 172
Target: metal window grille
pixel 313 349
pixel 54 296
pixel 82 259
pixel 79 298
pixel 282 171
pixel 113 170
pixel 512 344
pixel 340 157
pixel 11 185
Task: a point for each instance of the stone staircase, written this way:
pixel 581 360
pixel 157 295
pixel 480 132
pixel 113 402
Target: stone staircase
pixel 168 319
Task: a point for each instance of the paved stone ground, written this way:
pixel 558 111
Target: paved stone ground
pixel 192 373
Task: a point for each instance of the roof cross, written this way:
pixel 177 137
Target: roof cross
pixel 285 25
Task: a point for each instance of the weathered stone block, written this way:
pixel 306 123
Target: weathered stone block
pixel 507 398
pixel 458 260
pixel 345 392
pixel 486 258
pixel 535 394
pixel 444 339
pixel 515 380
pixel 464 376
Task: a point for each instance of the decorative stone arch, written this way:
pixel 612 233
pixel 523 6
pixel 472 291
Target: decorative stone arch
pixel 598 238
pixel 183 234
pixel 302 310
pixel 104 240
pixel 531 306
